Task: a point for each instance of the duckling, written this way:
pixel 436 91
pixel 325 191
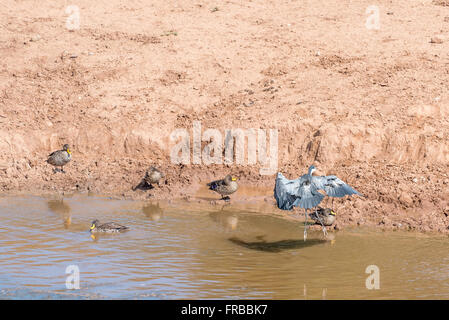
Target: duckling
pixel 153 175
pixel 224 187
pixel 325 217
pixel 60 158
pixel 109 227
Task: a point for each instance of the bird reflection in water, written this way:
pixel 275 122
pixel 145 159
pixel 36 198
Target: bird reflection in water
pixel 153 211
pixel 62 209
pixel 323 293
pixel 227 220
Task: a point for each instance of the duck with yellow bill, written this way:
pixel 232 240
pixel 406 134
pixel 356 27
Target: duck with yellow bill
pixel 224 187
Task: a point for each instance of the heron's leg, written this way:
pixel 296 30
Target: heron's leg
pixel 322 224
pixel 332 205
pixel 305 225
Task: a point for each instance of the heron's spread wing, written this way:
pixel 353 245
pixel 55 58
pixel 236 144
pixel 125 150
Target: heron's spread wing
pixel 333 186
pixel 284 191
pixel 299 193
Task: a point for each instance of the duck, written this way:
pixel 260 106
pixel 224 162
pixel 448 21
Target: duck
pixel 224 187
pixel 60 158
pixel 327 216
pixel 153 175
pixel 108 227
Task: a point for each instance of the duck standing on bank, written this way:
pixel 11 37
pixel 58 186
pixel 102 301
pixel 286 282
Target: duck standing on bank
pixel 224 187
pixel 60 158
pixel 153 175
pixel 108 227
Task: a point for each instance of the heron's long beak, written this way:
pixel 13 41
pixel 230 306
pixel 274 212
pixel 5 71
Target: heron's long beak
pixel 234 179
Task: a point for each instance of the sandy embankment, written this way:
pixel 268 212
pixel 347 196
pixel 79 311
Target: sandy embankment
pixel 370 106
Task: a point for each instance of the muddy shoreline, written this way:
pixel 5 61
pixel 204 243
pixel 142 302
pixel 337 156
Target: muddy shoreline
pixel 406 201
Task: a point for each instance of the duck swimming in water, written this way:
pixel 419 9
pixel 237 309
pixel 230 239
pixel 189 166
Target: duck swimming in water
pixel 224 187
pixel 60 158
pixel 108 227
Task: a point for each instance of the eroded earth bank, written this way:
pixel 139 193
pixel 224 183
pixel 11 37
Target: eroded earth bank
pixel 370 106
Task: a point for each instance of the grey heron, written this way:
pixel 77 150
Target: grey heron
pixel 334 187
pixel 303 192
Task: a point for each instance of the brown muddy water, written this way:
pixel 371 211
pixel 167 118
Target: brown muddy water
pixel 202 251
